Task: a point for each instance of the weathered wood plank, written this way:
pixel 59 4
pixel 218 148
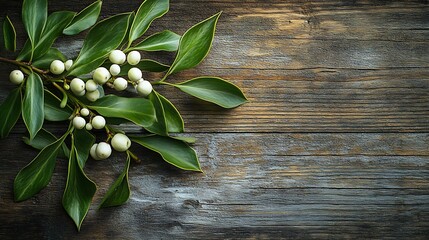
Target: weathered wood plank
pixel 272 185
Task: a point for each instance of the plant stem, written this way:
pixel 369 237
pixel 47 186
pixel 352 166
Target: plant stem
pixel 133 156
pixel 23 64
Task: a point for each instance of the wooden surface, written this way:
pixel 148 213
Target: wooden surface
pixel 334 142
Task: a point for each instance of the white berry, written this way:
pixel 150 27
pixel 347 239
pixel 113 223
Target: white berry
pixel 80 94
pixel 133 58
pixel 93 153
pixel 84 112
pixel 91 85
pixel 79 122
pixel 101 75
pixel 57 67
pixel 98 122
pixel 16 77
pixel 120 84
pixel 77 85
pixel 120 142
pixel 114 69
pixel 134 74
pixel 88 126
pixel 93 96
pixel 103 150
pixel 144 88
pixel 68 64
pixel 117 56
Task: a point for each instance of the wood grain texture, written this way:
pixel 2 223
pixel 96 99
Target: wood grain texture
pixel 334 142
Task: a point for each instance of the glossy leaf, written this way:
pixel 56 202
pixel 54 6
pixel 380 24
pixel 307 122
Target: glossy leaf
pixel 190 140
pixel 10 110
pixel 53 111
pixel 120 191
pixel 9 35
pixel 33 112
pixel 37 174
pixel 215 90
pixel 168 119
pixel 79 190
pixel 159 126
pixel 104 37
pixel 44 62
pixel 172 116
pixel 194 45
pixel 55 24
pixel 162 41
pixel 177 153
pixel 45 138
pixel 148 11
pixel 137 110
pixel 84 19
pixel 144 65
pixel 34 16
pixel 83 143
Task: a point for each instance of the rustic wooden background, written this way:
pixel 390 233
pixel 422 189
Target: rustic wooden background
pixel 334 142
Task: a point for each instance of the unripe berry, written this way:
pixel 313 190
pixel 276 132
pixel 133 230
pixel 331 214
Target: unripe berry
pixel 120 84
pixel 93 96
pixel 117 56
pixel 68 64
pixel 91 85
pixel 84 112
pixel 57 67
pixel 134 74
pixel 79 122
pixel 16 77
pixel 103 150
pixel 115 69
pixel 120 142
pixel 101 75
pixel 133 58
pixel 77 86
pixel 88 126
pixel 144 88
pixel 93 153
pixel 98 122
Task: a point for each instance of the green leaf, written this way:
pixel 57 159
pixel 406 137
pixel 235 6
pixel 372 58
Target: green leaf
pixel 172 116
pixel 33 112
pixel 190 140
pixel 120 191
pixel 79 190
pixel 44 62
pixel 84 19
pixel 168 119
pixel 10 110
pixel 159 126
pixel 37 174
pixel 104 37
pixel 215 90
pixel 194 45
pixel 53 111
pixel 148 11
pixel 144 65
pixel 45 138
pixel 55 24
pixel 137 110
pixel 34 16
pixel 83 141
pixel 9 35
pixel 161 41
pixel 172 151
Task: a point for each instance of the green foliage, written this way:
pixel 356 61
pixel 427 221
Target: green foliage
pixel 194 45
pixel 9 35
pixel 162 41
pixel 10 110
pixel 215 90
pixel 84 19
pixel 178 153
pixel 42 95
